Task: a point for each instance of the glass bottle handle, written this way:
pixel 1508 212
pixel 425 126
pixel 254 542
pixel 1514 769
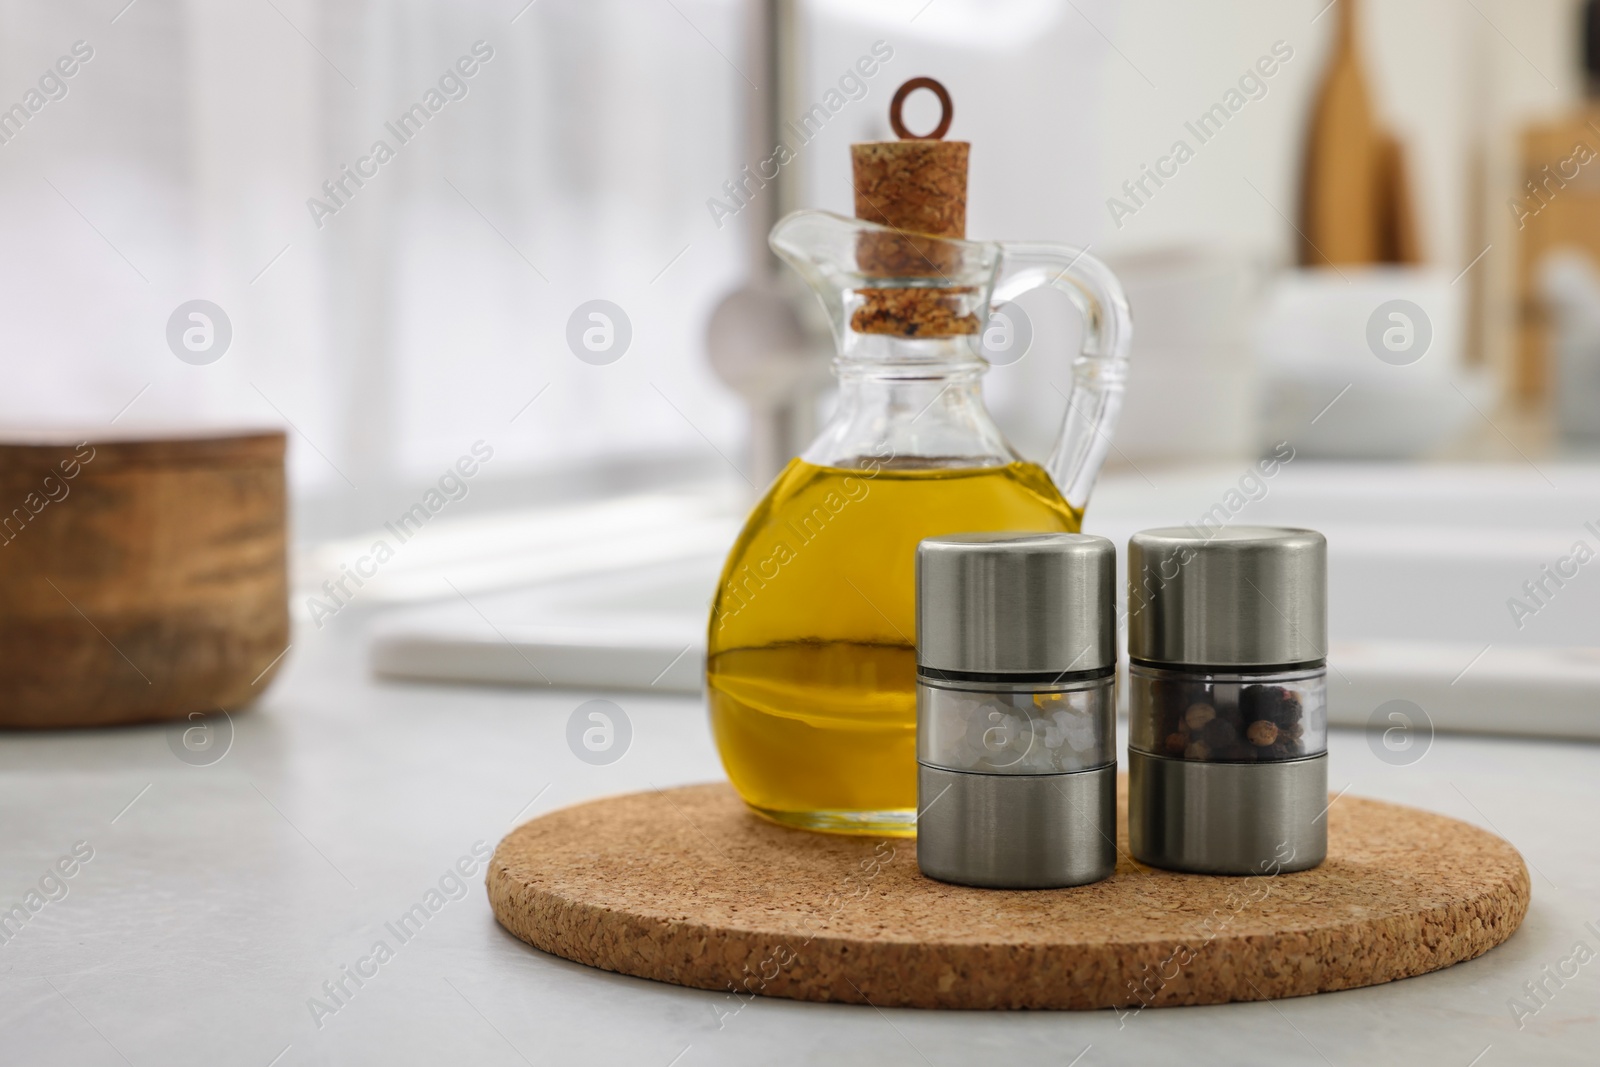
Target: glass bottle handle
pixel 1094 399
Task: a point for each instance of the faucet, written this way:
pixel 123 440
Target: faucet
pixel 765 339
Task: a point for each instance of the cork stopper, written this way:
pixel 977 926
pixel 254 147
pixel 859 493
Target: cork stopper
pixel 918 187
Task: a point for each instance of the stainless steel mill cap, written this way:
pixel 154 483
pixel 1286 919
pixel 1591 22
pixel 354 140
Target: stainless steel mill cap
pixel 1016 604
pixel 1241 596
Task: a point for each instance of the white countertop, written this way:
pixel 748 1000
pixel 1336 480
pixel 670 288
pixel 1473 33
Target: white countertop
pixel 218 903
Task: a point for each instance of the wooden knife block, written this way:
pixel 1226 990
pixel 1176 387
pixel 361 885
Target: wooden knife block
pixel 141 578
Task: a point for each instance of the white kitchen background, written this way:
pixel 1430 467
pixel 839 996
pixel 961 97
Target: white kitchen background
pixel 432 307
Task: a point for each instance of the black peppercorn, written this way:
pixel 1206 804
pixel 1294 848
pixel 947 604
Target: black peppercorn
pixel 1229 721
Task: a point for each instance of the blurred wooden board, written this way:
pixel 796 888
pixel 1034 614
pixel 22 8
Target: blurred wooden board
pixel 687 886
pixel 1555 204
pixel 1355 199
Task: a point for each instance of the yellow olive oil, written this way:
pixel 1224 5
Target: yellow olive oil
pixel 811 667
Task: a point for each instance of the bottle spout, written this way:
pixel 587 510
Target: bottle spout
pixel 876 279
pixel 814 244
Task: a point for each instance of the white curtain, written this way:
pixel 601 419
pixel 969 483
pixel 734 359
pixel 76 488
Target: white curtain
pixel 433 304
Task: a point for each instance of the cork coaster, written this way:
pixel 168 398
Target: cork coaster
pixel 687 886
